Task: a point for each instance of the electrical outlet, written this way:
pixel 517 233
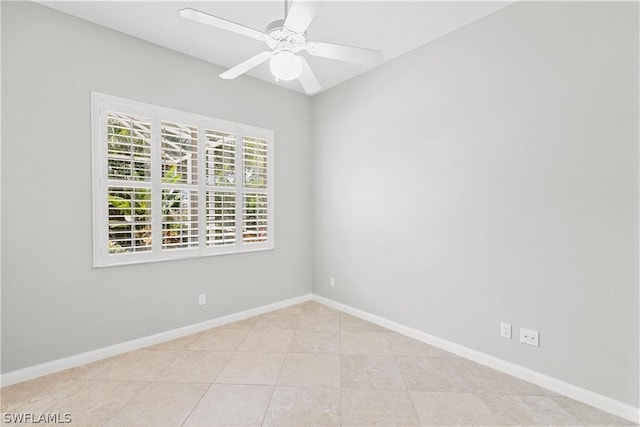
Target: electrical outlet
pixel 505 330
pixel 202 299
pixel 529 336
pixel 332 281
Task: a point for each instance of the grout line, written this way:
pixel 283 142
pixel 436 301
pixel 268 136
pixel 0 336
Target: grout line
pixel 273 391
pixel 141 388
pixel 404 380
pixel 125 404
pixel 248 331
pixel 197 403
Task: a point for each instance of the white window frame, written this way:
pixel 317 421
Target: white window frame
pixel 100 105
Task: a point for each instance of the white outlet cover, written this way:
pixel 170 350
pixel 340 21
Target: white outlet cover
pixel 332 281
pixel 505 330
pixel 529 336
pixel 202 299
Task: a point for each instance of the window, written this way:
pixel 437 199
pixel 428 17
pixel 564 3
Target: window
pixel 169 184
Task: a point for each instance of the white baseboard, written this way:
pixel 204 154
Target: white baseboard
pixel 31 372
pixel 577 393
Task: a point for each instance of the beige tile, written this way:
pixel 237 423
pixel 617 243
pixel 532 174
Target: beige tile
pixel 195 366
pixel 248 323
pixel 267 340
pixel 482 379
pixel 528 410
pixel 231 405
pixel 292 309
pixel 432 374
pixel 90 369
pixel 252 368
pixel 305 341
pixel 161 385
pixel 304 406
pixel 371 343
pixel 451 409
pixel 378 408
pixel 307 369
pixel 140 365
pixel 377 372
pixel 350 323
pixel 316 307
pixel 38 394
pixel 277 321
pixel 176 344
pixel 319 321
pixel 219 339
pixel 96 401
pixel 589 415
pixel 160 404
pixel 405 346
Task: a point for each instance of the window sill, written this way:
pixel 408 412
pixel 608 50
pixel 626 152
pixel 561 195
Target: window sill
pixel 179 255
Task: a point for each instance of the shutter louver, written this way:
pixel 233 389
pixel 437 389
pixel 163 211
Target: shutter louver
pixel 129 220
pixel 179 153
pixel 220 210
pixel 254 157
pixel 179 189
pixel 179 219
pixel 220 158
pixel 128 163
pixel 221 218
pixel 254 218
pixel 128 147
pixel 254 203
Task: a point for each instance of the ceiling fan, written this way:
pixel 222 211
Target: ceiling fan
pixel 287 37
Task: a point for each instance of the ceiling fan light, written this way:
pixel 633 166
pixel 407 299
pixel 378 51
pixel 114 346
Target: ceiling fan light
pixel 285 65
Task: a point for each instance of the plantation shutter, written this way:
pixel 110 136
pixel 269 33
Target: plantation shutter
pixel 179 154
pixel 129 183
pixel 221 183
pixel 254 197
pixel 169 184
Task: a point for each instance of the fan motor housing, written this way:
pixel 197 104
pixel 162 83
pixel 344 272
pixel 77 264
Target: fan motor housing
pixel 275 25
pixel 282 38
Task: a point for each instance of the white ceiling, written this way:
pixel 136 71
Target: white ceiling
pixel 394 27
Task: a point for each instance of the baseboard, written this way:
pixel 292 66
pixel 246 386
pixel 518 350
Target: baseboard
pixel 577 393
pixel 58 365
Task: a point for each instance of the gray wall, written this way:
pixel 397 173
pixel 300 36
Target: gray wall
pixel 53 303
pixel 492 175
pixel 489 176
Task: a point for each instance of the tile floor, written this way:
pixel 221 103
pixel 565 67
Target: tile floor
pixel 303 365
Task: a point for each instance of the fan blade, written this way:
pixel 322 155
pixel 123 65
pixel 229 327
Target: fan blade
pixel 205 18
pixel 308 80
pixel 345 53
pixel 300 15
pixel 245 66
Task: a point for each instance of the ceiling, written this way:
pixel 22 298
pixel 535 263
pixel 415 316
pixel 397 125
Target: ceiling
pixel 394 27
